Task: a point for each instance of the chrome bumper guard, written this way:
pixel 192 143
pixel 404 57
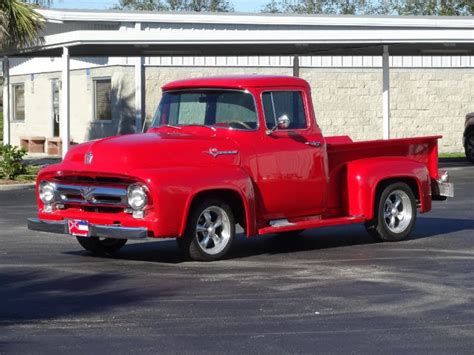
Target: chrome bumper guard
pixel 95 230
pixel 442 188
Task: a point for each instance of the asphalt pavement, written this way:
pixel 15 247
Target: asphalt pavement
pixel 333 290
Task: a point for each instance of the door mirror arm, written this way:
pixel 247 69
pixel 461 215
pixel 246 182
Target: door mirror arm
pixel 283 123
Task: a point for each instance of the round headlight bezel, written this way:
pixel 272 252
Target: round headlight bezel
pixel 47 192
pixel 134 192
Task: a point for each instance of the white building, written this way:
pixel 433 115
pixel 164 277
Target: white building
pixel 430 94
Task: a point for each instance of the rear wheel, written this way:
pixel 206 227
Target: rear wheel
pixel 101 246
pixel 394 215
pixel 210 231
pixel 469 146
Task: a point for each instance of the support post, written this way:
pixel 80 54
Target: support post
pixel 65 100
pixel 386 93
pixel 296 66
pixel 138 94
pixel 6 101
pixel 139 88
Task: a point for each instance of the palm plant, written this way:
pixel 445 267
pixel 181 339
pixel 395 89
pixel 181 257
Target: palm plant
pixel 20 23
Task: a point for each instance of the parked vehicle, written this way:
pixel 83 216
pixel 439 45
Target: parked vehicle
pixel 246 150
pixel 468 137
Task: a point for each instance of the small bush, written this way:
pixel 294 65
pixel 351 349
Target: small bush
pixel 1 124
pixel 11 161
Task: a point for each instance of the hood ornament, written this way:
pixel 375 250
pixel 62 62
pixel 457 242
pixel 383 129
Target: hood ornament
pixel 88 158
pixel 214 152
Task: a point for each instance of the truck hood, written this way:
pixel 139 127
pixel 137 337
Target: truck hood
pixel 123 154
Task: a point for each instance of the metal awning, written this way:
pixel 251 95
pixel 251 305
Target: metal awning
pixel 119 33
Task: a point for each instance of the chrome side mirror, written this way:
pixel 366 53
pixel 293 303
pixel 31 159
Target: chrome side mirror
pixel 283 122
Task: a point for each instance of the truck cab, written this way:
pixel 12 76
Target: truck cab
pixel 235 150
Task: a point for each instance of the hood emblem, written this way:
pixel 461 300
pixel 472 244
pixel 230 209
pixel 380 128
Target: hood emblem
pixel 88 158
pixel 214 152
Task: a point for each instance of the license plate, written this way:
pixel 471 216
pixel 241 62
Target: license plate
pixel 78 228
pixel 446 189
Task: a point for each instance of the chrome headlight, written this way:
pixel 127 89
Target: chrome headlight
pixel 46 192
pixel 137 196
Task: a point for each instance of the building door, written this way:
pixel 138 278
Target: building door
pixel 55 88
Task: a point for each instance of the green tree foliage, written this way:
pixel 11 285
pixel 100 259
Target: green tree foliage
pixel 434 7
pixel 368 7
pixel 20 23
pixel 177 5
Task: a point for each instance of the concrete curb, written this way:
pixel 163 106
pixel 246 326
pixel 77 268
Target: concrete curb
pixel 17 187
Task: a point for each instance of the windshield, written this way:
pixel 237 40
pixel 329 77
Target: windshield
pixel 216 108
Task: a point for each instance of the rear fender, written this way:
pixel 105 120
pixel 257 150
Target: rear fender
pixel 364 176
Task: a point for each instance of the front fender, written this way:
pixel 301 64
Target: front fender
pixel 365 175
pixel 173 190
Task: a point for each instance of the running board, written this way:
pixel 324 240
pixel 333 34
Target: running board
pixel 311 223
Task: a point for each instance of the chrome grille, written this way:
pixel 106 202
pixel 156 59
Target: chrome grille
pixel 91 195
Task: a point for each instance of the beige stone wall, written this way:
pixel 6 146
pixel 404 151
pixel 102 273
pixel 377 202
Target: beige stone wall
pixel 347 100
pixel 423 102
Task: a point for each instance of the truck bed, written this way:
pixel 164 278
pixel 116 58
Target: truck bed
pixel 342 149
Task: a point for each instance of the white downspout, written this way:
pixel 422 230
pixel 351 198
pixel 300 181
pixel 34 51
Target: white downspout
pixel 65 101
pixel 6 101
pixel 386 93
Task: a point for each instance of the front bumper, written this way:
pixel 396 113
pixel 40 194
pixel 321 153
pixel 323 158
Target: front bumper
pixel 95 230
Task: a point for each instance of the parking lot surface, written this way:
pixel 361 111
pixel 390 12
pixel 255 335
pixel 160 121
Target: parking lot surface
pixel 331 290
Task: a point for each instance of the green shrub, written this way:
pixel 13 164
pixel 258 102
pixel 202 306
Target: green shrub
pixel 11 161
pixel 1 125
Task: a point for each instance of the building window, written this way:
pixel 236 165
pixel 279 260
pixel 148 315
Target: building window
pixel 102 99
pixel 18 102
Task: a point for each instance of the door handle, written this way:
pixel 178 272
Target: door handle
pixel 316 144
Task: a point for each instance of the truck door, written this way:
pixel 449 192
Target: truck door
pixel 291 162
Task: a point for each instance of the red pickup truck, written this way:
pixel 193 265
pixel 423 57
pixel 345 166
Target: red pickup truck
pixel 228 150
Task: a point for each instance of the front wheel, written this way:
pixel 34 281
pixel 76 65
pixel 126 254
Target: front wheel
pixel 101 246
pixel 210 231
pixel 394 214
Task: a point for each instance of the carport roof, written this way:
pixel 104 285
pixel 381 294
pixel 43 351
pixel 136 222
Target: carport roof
pixel 124 33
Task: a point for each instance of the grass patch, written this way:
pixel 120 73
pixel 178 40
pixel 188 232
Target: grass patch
pixel 30 174
pixel 452 155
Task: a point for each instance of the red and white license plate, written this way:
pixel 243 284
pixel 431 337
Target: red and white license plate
pixel 78 228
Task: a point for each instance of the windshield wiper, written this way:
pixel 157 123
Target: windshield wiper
pixel 171 126
pixel 200 125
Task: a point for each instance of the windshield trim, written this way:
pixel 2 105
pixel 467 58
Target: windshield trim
pixel 216 127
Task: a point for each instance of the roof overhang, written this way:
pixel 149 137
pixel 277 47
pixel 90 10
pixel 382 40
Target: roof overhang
pixel 119 33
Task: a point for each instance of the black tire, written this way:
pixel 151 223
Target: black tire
pixel 381 227
pixel 469 146
pixel 193 243
pixel 101 246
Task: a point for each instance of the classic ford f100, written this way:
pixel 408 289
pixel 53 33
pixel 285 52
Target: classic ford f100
pixel 241 150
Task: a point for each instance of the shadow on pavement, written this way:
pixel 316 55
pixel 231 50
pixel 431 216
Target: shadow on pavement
pixel 166 251
pixel 34 296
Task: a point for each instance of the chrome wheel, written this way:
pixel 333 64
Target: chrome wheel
pixel 213 230
pixel 398 211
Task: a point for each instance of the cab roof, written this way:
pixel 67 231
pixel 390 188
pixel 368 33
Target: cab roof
pixel 237 82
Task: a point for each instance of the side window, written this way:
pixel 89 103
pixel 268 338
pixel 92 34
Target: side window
pixel 18 102
pixel 290 103
pixel 102 99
